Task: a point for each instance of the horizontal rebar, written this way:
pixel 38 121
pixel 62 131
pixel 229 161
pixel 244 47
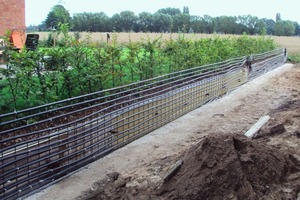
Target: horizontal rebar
pixel 123 115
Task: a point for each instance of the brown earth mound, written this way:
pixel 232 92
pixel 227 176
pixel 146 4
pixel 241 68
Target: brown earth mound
pixel 217 167
pixel 233 167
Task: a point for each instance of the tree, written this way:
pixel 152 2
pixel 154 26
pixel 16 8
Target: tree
pixel 116 23
pixel 169 11
pixel 186 10
pixel 181 23
pixel 162 22
pixel 210 24
pixel 270 23
pixel 226 25
pixel 58 14
pixel 125 21
pixel 262 27
pixel 284 28
pixel 145 22
pixel 278 17
pixel 80 21
pixel 94 22
pixel 251 22
pixel 128 20
pixel 197 24
pixel 297 28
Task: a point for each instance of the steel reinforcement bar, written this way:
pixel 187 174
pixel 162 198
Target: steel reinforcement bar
pixel 70 134
pixel 22 116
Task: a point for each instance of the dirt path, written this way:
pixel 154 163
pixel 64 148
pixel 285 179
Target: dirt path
pixel 143 163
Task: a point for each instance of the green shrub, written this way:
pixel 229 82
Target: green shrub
pixel 81 67
pixel 294 58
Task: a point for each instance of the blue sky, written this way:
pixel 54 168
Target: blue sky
pixel 37 10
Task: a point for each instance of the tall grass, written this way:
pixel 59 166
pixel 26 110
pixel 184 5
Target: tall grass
pixel 294 57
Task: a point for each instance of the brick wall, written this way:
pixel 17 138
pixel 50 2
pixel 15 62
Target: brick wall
pixel 12 15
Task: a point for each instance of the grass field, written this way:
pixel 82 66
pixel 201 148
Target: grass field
pixel 291 43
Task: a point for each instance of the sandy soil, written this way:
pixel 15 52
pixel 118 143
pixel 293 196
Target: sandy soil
pixel 267 166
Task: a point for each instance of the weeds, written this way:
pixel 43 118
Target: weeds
pixel 294 58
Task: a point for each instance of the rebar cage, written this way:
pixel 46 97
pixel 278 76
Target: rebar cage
pixel 42 144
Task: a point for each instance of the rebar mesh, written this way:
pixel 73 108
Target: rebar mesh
pixel 33 157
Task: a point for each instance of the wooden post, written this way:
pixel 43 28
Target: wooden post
pixel 173 170
pixel 252 132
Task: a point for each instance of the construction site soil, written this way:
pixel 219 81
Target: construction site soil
pixel 204 154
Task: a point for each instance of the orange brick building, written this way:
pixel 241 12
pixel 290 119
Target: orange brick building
pixel 12 15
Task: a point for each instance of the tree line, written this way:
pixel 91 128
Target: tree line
pixel 168 20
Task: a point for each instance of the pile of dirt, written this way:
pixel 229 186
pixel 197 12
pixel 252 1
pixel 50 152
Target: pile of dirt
pixel 217 167
pixel 234 167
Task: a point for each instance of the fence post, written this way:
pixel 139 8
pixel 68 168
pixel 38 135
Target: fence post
pixel 285 55
pixel 249 63
pixel 285 52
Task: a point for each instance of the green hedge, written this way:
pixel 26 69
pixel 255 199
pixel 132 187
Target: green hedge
pixel 78 68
